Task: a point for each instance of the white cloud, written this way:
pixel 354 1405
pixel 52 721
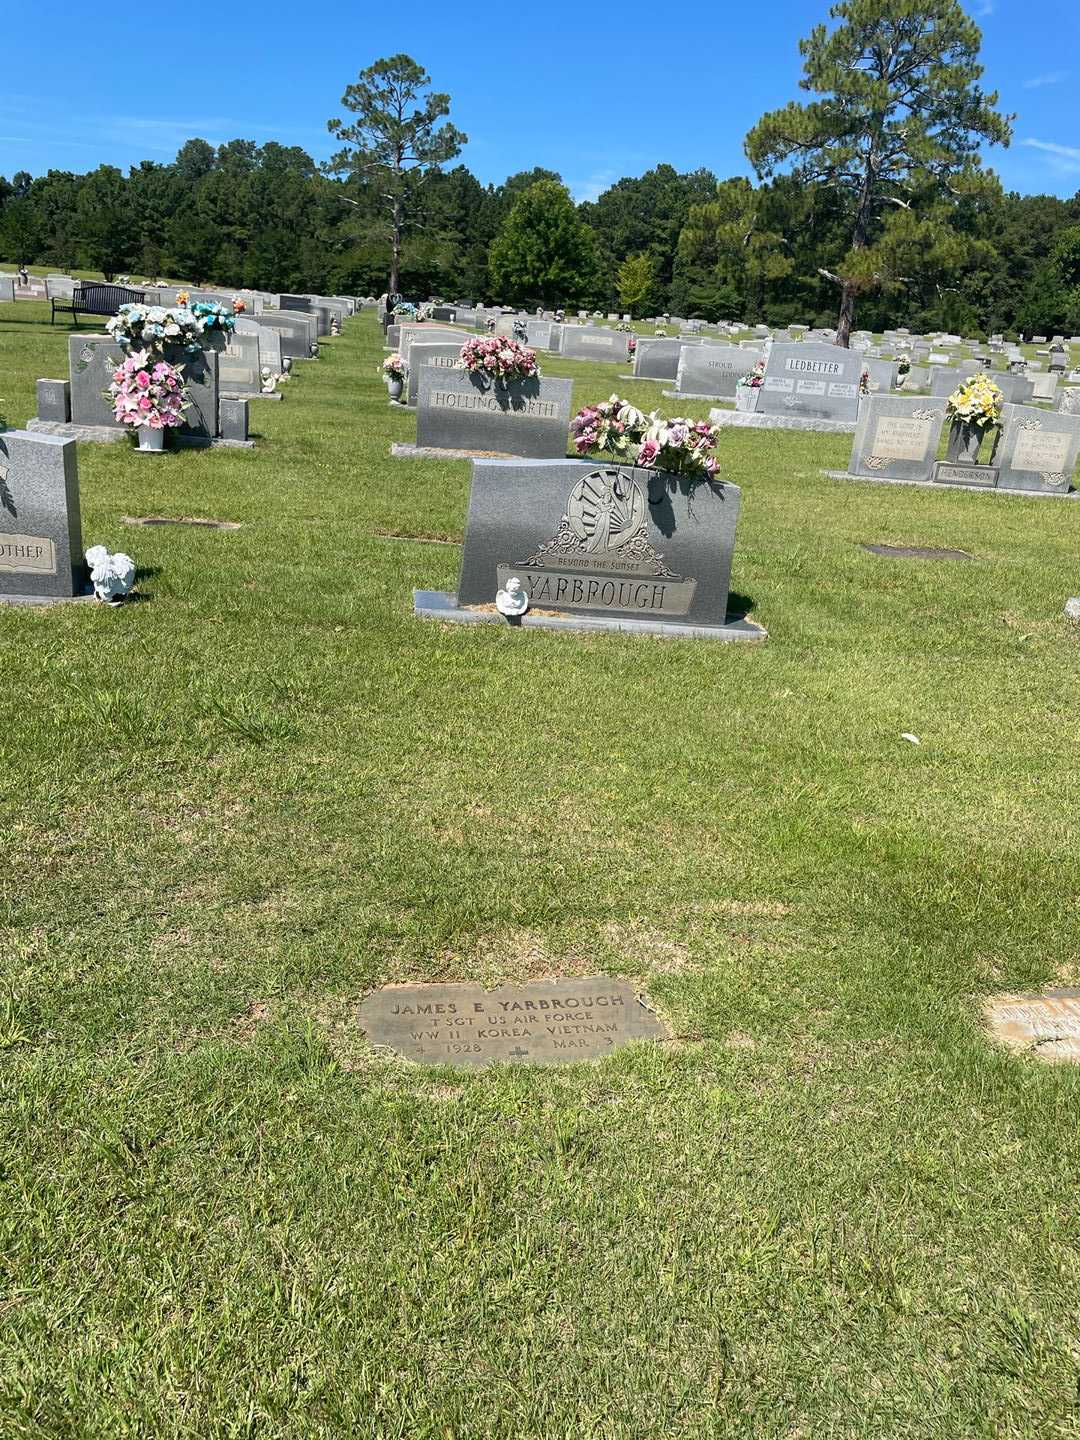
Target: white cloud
pixel 593 187
pixel 1065 159
pixel 1053 77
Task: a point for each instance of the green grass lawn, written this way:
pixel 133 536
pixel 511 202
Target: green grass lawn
pixel 829 1208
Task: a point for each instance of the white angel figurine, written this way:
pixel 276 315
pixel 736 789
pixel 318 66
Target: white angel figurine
pixel 513 600
pixel 112 576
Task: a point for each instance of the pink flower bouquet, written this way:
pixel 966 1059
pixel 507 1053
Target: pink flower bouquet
pixel 148 392
pixel 617 429
pixel 497 357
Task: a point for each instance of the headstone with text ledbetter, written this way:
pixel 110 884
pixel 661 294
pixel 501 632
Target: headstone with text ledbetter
pixel 813 381
pixel 596 545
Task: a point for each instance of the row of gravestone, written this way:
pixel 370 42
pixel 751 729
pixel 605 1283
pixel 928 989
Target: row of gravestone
pixel 898 439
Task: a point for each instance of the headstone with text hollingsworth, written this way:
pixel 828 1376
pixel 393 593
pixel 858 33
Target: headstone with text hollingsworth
pixel 612 544
pixel 444 355
pixel 582 343
pixel 712 370
pixel 811 380
pixel 41 553
pixel 92 359
pixel 897 438
pixel 1037 449
pixel 546 1022
pixel 457 410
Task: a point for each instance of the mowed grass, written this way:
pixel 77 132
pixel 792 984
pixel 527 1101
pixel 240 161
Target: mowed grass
pixel 829 1208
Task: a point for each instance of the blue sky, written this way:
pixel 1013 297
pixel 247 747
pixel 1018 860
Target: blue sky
pixel 531 84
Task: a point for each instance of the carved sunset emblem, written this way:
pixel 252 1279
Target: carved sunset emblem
pixel 605 510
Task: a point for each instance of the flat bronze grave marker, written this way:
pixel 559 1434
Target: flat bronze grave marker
pixel 917 552
pixel 547 1022
pixel 1046 1024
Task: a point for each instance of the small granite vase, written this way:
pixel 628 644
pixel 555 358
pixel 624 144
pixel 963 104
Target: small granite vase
pixel 965 441
pixel 151 439
pixel 395 386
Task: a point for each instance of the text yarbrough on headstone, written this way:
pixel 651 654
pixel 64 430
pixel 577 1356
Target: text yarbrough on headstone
pixel 547 1022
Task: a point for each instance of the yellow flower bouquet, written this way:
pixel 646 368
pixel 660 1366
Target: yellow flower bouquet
pixel 977 401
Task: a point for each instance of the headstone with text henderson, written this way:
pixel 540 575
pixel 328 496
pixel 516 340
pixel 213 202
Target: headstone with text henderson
pixel 811 381
pixel 456 410
pixel 597 546
pixel 547 1022
pixel 41 553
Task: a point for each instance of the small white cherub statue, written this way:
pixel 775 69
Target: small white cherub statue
pixel 112 576
pixel 269 384
pixel 513 600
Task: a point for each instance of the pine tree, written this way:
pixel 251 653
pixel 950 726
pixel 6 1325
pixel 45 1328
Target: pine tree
pixel 900 120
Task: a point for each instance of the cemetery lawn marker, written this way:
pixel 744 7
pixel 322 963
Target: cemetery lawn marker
pixel 547 1022
pixel 1046 1025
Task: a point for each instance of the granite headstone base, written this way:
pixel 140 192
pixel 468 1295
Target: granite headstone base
pixel 753 420
pixel 443 605
pixel 99 435
pixel 978 485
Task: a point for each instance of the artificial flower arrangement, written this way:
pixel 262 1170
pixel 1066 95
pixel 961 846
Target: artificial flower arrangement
pixel 239 304
pixel 182 297
pixel 499 358
pixel 755 378
pixel 214 316
pixel 393 368
pixel 631 345
pixel 654 442
pixel 405 309
pixel 624 326
pixel 864 383
pixel 152 327
pixel 903 367
pixel 149 392
pixel 977 401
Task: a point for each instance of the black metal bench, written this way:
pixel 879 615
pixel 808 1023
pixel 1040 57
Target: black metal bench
pixel 91 297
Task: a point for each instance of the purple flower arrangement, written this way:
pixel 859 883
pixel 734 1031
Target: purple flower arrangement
pixel 654 442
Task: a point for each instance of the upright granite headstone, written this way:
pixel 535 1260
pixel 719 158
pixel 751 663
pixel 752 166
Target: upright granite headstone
pixel 459 411
pixel 583 343
pixel 201 417
pixel 295 329
pixel 1037 449
pixel 442 355
pixel 712 370
pixel 41 552
pixel 238 365
pixel 811 380
pixel 614 546
pixel 658 359
pixel 7 289
pixel 92 359
pixel 897 438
